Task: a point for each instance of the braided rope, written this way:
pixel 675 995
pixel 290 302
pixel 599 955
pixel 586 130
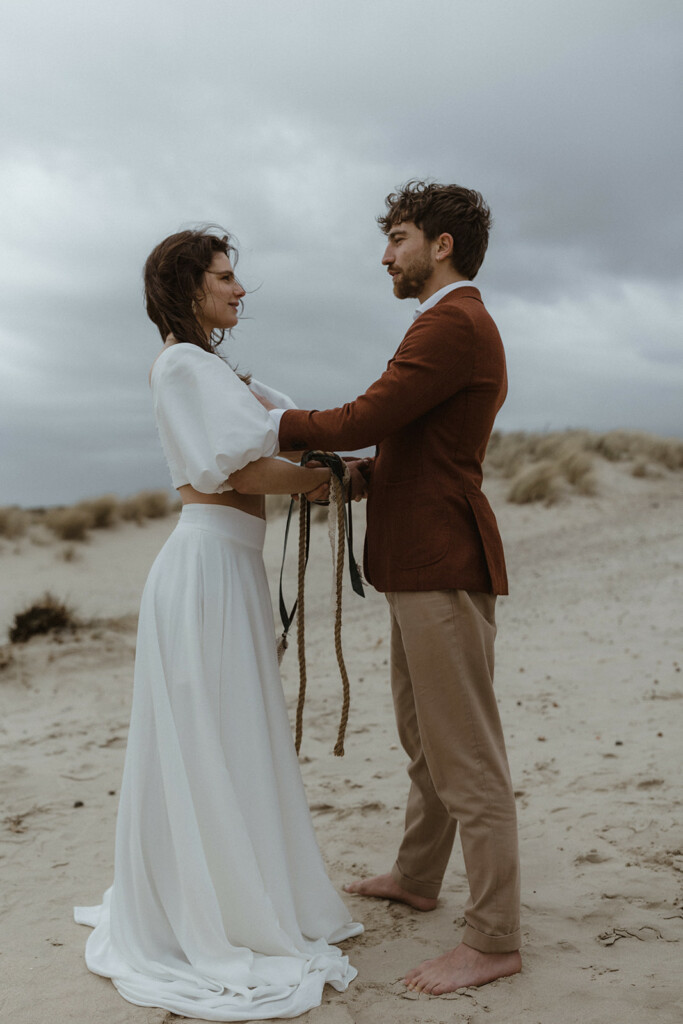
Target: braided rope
pixel 337 496
pixel 300 620
pixel 338 526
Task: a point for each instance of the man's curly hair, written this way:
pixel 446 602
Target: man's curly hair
pixel 438 209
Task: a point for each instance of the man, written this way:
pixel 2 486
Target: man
pixel 433 547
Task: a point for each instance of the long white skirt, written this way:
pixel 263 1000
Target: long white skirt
pixel 221 907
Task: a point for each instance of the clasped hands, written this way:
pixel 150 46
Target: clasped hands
pixel 357 482
pixel 356 488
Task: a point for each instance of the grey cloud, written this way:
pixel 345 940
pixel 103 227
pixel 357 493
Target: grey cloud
pixel 289 124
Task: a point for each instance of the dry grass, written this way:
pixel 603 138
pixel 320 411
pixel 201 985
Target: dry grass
pixel 544 467
pixel 639 468
pixel 155 504
pixel 146 505
pixel 13 522
pixel 577 467
pixel 540 482
pixel 46 615
pixel 629 445
pixel 130 510
pixel 69 523
pixel 541 467
pixel 103 511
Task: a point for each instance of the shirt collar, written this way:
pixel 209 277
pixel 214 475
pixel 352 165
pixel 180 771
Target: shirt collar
pixel 433 299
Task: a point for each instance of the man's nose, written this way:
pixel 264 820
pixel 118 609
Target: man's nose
pixel 387 258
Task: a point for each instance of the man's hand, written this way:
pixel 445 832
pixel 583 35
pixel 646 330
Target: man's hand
pixel 358 481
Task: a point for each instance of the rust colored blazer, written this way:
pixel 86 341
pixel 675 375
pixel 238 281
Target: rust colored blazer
pixel 429 526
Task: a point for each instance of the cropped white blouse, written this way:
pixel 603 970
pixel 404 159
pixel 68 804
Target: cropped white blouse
pixel 209 422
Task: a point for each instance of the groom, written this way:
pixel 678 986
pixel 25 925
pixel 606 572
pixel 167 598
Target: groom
pixel 433 548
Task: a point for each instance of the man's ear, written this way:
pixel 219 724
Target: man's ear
pixel 444 246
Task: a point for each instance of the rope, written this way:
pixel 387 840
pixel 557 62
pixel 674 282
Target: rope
pixel 338 481
pixel 338 500
pixel 304 526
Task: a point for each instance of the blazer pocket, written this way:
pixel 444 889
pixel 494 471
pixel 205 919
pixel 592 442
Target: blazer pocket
pixel 418 529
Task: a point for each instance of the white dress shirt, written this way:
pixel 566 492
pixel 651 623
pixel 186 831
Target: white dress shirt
pixel 433 299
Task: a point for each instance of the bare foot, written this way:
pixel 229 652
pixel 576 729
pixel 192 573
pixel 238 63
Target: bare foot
pixel 460 968
pixel 384 887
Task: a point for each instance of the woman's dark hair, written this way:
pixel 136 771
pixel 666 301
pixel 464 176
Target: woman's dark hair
pixel 174 273
pixel 438 209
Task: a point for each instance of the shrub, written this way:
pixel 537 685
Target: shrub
pixel 506 452
pixel 539 482
pixel 103 511
pixel 666 451
pixel 614 445
pixel 155 504
pixel 576 465
pixel 69 523
pixel 130 509
pixel 13 522
pixel 47 615
pixel 587 484
pixel 146 505
pixel 618 445
pixel 528 459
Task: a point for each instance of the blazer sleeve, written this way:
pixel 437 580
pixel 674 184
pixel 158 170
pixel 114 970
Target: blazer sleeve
pixel 433 362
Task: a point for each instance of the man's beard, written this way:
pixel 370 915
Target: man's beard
pixel 409 282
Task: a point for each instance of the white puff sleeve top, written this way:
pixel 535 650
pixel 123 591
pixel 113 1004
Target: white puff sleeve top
pixel 209 422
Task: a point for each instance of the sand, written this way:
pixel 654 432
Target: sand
pixel 589 681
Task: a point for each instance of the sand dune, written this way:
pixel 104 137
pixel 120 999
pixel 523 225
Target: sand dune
pixel 591 692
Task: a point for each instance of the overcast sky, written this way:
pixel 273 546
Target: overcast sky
pixel 288 121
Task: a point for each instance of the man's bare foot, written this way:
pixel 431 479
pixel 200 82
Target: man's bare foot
pixel 460 968
pixel 384 887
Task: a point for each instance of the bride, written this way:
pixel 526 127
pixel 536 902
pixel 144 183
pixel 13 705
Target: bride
pixel 220 907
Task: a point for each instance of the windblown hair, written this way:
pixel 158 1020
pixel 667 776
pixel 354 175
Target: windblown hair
pixel 438 209
pixel 173 275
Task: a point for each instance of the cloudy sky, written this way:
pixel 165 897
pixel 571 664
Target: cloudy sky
pixel 288 121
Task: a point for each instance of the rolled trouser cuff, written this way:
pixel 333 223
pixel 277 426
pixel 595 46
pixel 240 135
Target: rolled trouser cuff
pixel 492 943
pixel 430 890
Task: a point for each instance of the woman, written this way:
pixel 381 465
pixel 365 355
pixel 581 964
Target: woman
pixel 220 908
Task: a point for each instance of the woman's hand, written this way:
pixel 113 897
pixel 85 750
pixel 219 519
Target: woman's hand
pixel 321 493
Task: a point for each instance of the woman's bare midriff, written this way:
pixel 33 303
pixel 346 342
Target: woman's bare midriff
pixel 252 504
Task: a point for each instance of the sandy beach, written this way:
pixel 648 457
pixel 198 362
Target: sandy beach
pixel 589 681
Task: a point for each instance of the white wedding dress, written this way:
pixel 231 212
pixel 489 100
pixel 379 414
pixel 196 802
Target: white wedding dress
pixel 220 908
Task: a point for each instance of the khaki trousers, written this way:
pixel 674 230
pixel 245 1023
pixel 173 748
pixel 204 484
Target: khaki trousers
pixel 447 715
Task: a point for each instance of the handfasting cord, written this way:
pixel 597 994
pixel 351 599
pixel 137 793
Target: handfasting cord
pixel 304 533
pixel 343 525
pixel 338 491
